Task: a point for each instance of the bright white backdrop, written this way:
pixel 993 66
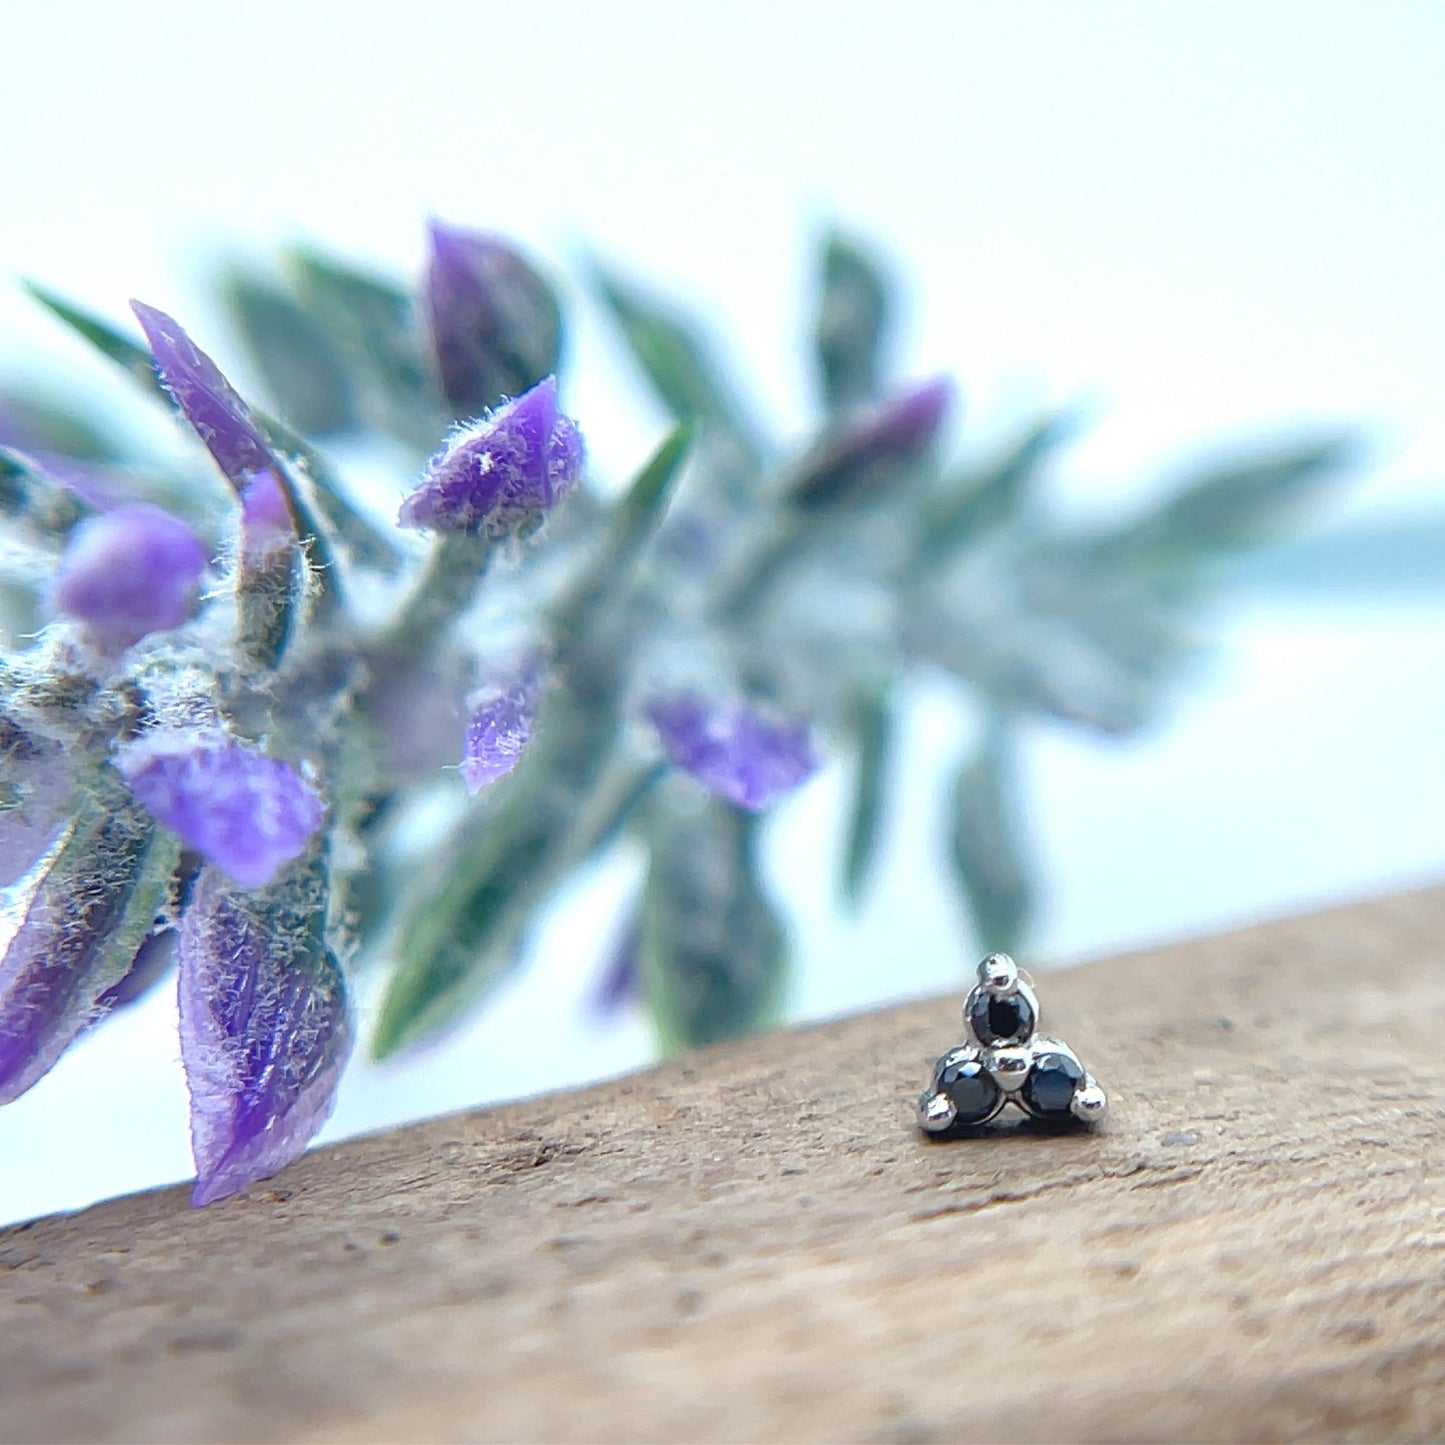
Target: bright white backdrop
pixel 1208 219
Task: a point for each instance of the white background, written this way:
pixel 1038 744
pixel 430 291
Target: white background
pixel 1205 219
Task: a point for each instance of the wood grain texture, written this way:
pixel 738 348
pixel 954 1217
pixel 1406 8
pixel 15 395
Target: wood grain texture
pixel 754 1244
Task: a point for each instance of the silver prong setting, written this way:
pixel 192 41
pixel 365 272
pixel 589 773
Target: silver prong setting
pixel 998 974
pixel 1005 1060
pixel 1090 1103
pixel 1009 1067
pixel 936 1113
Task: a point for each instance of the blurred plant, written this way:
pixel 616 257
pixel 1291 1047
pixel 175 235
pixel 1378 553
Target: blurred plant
pixel 237 687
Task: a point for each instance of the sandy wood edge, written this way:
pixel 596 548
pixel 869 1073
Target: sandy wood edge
pixel 754 1244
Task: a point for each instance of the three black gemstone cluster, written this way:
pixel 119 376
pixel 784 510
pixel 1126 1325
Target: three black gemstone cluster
pixel 1005 1060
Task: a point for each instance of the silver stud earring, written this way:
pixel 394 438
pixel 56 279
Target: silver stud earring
pixel 1004 1061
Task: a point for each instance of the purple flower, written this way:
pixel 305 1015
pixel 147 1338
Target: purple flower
pixel 500 727
pixel 264 1027
pixel 204 397
pixel 128 573
pixel 893 433
pixel 498 475
pixel 740 754
pixel 495 324
pixel 74 923
pixel 247 813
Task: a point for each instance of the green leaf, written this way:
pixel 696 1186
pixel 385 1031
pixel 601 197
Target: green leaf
pixel 713 956
pixel 854 315
pixel 687 379
pixel 45 423
pixel 991 495
pixel 131 356
pixel 643 504
pixel 989 846
pixel 1237 505
pixel 461 937
pixel 876 726
pixel 372 324
pixel 296 358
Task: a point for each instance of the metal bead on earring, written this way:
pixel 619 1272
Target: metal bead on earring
pixel 1005 1061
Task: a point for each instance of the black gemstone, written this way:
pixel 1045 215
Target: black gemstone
pixel 1049 1089
pixel 974 1094
pixel 1001 1020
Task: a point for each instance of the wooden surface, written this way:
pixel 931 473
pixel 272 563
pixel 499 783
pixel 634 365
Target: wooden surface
pixel 754 1244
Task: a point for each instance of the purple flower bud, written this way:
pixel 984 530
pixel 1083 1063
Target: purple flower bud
pixel 495 323
pixel 264 1026
pixel 204 397
pixel 128 573
pixel 739 753
pixel 498 475
pixel 500 727
pixel 247 813
pixel 894 432
pixel 72 926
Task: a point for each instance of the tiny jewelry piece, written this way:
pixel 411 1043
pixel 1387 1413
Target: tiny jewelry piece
pixel 1004 1061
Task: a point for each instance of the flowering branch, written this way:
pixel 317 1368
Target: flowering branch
pixel 226 698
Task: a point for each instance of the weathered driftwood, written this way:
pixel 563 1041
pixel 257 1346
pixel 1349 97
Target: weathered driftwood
pixel 753 1243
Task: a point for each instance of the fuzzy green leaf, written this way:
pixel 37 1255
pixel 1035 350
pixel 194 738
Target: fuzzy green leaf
pixel 713 956
pixel 296 358
pixel 989 848
pixel 131 356
pixel 676 361
pixel 373 328
pixel 32 420
pixel 876 730
pixel 854 315
pixel 989 496
pixel 1237 505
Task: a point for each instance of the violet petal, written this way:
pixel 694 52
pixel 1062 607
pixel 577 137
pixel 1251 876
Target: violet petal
pixel 204 397
pixel 738 753
pixel 264 1026
pixel 248 813
pixel 497 475
pixel 129 572
pixel 500 728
